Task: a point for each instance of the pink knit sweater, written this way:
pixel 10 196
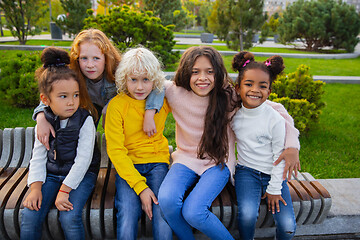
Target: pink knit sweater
pixel 189 112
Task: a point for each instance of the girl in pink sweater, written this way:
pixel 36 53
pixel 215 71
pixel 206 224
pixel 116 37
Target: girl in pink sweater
pixel 201 101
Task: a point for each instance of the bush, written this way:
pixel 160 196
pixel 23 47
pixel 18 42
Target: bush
pixel 128 28
pixel 320 23
pixel 300 95
pixel 17 82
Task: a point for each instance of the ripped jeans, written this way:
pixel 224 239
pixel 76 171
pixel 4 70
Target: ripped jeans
pixel 250 186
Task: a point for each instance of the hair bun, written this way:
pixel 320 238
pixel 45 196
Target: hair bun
pixel 55 57
pixel 275 64
pixel 240 59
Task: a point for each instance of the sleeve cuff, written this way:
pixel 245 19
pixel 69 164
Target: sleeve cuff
pixel 139 187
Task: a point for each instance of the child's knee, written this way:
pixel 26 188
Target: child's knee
pixel 247 215
pixel 69 219
pixel 194 214
pixel 288 228
pixel 168 200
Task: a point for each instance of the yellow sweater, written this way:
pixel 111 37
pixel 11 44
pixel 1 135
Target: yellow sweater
pixel 127 144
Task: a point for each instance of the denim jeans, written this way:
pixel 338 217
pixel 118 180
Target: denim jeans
pixel 71 221
pixel 128 204
pixel 193 211
pixel 250 186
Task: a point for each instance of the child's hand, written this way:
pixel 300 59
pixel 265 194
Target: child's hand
pixel 292 163
pixel 147 197
pixel 149 123
pixel 33 200
pixel 273 201
pixel 62 202
pixel 44 129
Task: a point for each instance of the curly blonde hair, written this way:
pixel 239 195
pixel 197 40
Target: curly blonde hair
pixel 139 61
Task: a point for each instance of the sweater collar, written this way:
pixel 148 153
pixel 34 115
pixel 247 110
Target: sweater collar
pixel 253 111
pixel 132 100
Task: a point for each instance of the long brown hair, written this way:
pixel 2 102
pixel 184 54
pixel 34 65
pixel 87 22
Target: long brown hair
pixel 214 141
pixel 56 67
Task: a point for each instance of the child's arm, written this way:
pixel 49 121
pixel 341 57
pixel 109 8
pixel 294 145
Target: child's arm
pixel 36 176
pixel 292 144
pixel 37 168
pixel 118 153
pixel 84 154
pixel 154 102
pixel 149 123
pixel 147 197
pixel 44 127
pixel 34 199
pixel 273 190
pixel 62 202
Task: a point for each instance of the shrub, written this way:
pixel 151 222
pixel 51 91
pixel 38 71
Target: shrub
pixel 17 82
pixel 300 95
pixel 128 28
pixel 320 23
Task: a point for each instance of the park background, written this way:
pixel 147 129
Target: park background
pixel 329 144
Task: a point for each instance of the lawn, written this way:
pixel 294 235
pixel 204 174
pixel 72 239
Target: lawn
pixel 330 67
pixel 331 149
pixel 36 42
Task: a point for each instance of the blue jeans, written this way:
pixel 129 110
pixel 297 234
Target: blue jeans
pixel 71 221
pixel 193 211
pixel 128 204
pixel 250 186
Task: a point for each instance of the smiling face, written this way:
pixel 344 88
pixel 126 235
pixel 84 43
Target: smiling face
pixel 139 86
pixel 202 77
pixel 64 98
pixel 91 61
pixel 254 88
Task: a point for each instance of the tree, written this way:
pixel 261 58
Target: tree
pixel 236 21
pixel 170 12
pixel 20 17
pixel 128 28
pixel 319 24
pixel 192 7
pixel 204 13
pixel 56 9
pixel 75 15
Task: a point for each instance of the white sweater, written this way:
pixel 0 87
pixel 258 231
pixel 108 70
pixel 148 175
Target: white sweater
pixel 82 161
pixel 260 136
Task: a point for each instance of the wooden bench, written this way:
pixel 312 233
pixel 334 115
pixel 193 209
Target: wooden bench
pixel 310 199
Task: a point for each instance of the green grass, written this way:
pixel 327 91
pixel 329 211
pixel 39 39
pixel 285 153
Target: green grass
pixel 254 49
pixel 41 42
pixel 11 117
pixel 189 32
pixel 7 33
pixel 329 67
pixel 331 149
